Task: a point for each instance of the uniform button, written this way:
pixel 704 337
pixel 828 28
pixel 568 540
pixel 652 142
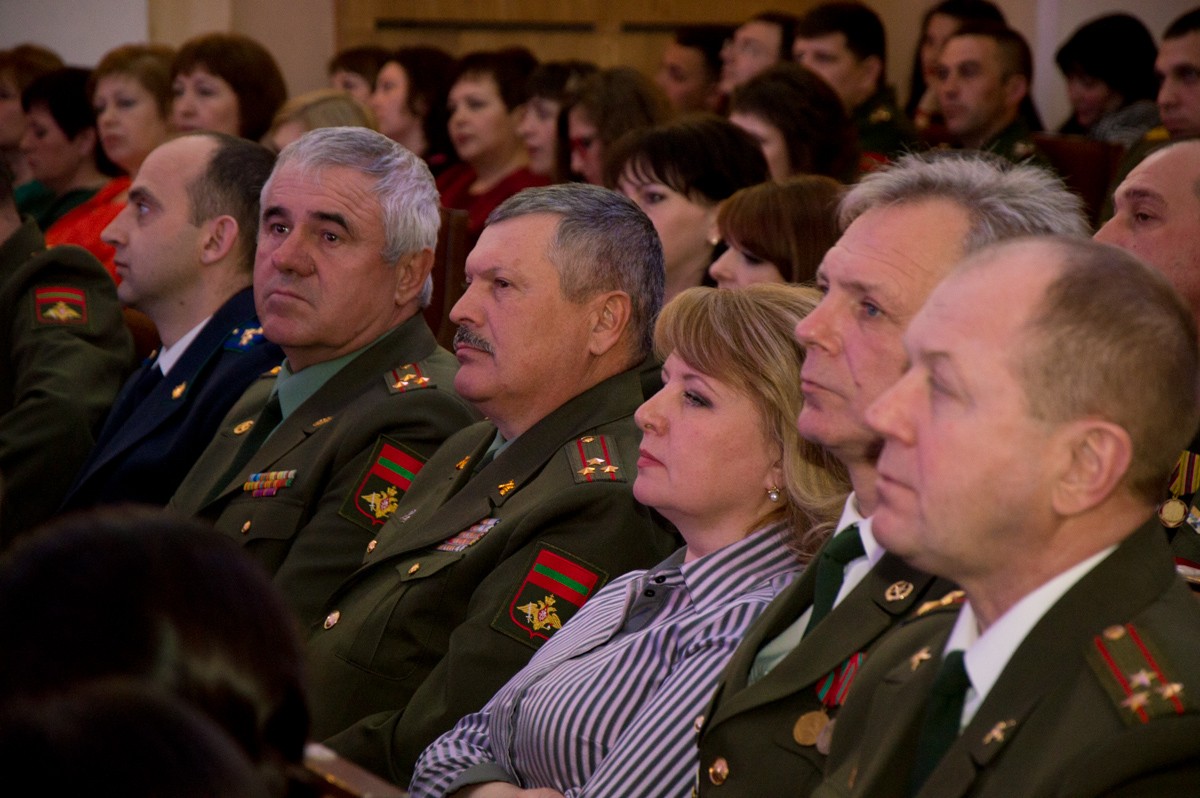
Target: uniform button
pixel 412 569
pixel 245 527
pixel 718 771
pixel 698 724
pixel 332 618
pixel 660 579
pixel 648 594
pixel 371 546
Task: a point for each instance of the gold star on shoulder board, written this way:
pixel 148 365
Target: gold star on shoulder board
pixel 1136 701
pixel 587 470
pixel 1169 691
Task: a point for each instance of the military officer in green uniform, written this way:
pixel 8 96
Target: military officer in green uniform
pixel 1158 219
pixel 768 729
pixel 984 75
pixel 66 353
pixel 845 43
pixel 312 460
pixel 1070 669
pixel 518 520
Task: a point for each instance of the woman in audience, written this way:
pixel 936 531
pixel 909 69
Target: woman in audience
pixel 409 102
pixel 486 103
pixel 678 174
pixel 609 701
pixel 316 109
pixel 355 69
pixel 798 121
pixel 18 68
pixel 777 232
pixel 611 103
pixel 136 592
pixel 1109 67
pixel 551 86
pixel 79 190
pixel 130 90
pixel 227 83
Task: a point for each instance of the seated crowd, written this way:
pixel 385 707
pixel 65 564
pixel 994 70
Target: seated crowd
pixel 779 439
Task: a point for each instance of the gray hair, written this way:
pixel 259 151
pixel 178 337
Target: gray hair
pixel 404 186
pixel 1002 199
pixel 603 243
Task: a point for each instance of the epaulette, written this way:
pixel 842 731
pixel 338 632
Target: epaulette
pixel 953 599
pixel 593 458
pixel 1136 676
pixel 408 377
pixel 244 339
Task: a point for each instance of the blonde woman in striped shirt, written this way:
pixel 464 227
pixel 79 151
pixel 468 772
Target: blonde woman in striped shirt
pixel 606 707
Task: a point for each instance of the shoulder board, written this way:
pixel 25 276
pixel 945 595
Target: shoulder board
pixel 594 458
pixel 59 306
pixel 243 339
pixel 953 599
pixel 1136 676
pixel 408 377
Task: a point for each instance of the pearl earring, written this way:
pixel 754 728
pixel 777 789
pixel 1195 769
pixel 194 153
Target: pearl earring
pixel 773 493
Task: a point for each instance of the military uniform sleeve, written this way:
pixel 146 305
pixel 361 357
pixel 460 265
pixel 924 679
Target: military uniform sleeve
pixel 69 353
pixel 598 527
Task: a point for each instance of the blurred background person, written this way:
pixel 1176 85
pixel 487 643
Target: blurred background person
pixel 409 102
pixel 611 103
pixel 227 83
pixel 486 104
pixel 79 190
pixel 130 91
pixel 354 70
pixel 18 67
pixel 758 44
pixel 677 174
pixel 610 700
pixel 689 73
pixel 170 604
pixel 1108 64
pixel 552 86
pixel 314 109
pixel 776 232
pixel 799 122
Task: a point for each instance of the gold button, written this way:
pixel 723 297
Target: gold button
pixel 1114 632
pixel 245 527
pixel 332 618
pixel 371 546
pixel 244 427
pixel 412 569
pixel 718 771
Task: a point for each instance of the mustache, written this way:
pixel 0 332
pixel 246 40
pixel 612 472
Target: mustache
pixel 464 337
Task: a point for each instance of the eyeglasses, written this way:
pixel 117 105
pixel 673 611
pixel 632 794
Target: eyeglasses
pixel 581 144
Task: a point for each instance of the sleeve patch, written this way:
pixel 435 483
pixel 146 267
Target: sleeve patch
pixel 243 340
pixel 594 458
pixel 555 586
pixel 390 470
pixel 59 306
pixel 1136 676
pixel 408 377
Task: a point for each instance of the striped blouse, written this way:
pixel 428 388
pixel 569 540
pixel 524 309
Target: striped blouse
pixel 610 700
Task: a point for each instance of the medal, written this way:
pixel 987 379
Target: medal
pixel 1172 512
pixel 809 726
pixel 1185 480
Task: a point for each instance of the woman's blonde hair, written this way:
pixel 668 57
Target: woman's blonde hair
pixel 323 108
pixel 744 338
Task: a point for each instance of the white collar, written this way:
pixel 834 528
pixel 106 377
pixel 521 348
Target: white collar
pixel 169 355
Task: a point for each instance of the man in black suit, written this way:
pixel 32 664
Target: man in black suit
pixel 185 252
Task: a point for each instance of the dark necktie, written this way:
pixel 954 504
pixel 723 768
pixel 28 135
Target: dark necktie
pixel 256 436
pixel 943 717
pixel 845 547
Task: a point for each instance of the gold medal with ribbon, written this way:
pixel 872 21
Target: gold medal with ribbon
pixel 1185 480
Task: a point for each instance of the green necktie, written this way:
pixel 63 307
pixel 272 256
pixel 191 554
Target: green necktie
pixel 845 547
pixel 943 717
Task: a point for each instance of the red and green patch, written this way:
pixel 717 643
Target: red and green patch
pixel 390 470
pixel 59 305
pixel 554 588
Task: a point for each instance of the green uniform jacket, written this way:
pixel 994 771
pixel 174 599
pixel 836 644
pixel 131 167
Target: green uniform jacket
pixel 1014 144
pixel 310 533
pixel 66 352
pixel 747 741
pixel 1060 720
pixel 884 132
pixel 438 617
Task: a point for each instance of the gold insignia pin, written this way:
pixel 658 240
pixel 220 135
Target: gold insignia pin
pixel 320 422
pixel 1114 633
pixel 1136 701
pixel 178 390
pixel 596 461
pixel 610 469
pixel 461 464
pixel 275 370
pixel 1169 691
pixel 412 569
pixel 587 439
pixel 1141 678
pixel 506 487
pixel 244 427
pixel 923 655
pixel 898 591
pixel 587 470
pixel 996 735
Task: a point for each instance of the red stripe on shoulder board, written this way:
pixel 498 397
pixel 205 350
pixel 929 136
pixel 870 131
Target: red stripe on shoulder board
pixel 568 568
